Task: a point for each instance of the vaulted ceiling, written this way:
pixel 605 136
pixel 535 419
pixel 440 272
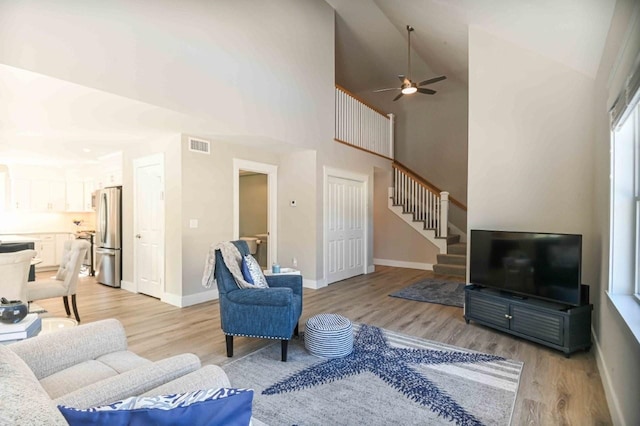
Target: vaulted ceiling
pixel 371 35
pixel 59 119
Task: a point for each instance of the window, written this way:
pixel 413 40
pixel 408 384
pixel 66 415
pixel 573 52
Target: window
pixel 624 256
pixel 625 206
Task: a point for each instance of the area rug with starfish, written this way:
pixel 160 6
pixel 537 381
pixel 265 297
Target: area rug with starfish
pixel 434 291
pixel 389 378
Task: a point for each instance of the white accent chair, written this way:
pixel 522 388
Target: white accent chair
pixel 65 282
pixel 14 274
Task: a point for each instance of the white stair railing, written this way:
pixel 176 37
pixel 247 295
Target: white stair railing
pixel 363 126
pixel 425 203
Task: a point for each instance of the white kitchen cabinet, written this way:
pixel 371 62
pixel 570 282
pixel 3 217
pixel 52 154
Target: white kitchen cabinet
pixel 20 194
pixel 4 180
pixel 89 188
pixel 48 195
pixel 75 196
pixel 46 249
pixel 79 195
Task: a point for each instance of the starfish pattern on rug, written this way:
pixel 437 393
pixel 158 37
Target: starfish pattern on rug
pixel 372 353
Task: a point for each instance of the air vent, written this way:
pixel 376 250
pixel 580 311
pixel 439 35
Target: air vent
pixel 198 145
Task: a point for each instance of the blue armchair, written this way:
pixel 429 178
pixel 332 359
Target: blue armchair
pixel 268 313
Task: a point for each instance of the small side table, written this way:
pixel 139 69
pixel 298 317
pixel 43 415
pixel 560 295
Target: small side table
pixel 53 324
pixel 283 271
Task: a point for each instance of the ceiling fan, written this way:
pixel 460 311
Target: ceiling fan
pixel 408 87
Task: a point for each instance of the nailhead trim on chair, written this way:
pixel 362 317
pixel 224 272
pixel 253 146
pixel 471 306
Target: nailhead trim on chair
pixel 259 337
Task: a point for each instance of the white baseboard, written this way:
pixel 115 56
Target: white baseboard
pixel 609 390
pixel 314 284
pixel 192 299
pixel 128 285
pixel 402 264
pixel 371 269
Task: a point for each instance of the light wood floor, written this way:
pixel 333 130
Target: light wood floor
pixel 553 390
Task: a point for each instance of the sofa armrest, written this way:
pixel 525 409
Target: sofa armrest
pixel 261 296
pixel 131 383
pixel 50 353
pixel 22 400
pixel 208 377
pixel 294 282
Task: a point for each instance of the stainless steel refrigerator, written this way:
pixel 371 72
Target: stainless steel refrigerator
pixel 108 239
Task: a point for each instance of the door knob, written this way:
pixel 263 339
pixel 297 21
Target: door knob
pixel 138 236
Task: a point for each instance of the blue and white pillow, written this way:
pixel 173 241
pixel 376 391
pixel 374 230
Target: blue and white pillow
pixel 252 272
pixel 221 406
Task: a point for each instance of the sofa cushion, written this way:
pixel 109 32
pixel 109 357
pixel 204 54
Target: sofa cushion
pixel 22 400
pixel 207 377
pixel 130 383
pixel 53 352
pixel 221 406
pixel 92 371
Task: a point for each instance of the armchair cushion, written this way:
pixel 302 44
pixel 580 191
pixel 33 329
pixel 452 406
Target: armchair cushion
pixel 252 272
pixel 262 296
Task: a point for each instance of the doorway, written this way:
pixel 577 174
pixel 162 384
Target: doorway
pixel 255 208
pixel 148 224
pixel 345 225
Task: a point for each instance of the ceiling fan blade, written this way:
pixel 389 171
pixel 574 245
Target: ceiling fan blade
pixel 426 91
pixel 384 90
pixel 397 97
pixel 432 80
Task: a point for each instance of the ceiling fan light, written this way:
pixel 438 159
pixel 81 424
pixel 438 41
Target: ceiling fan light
pixel 409 90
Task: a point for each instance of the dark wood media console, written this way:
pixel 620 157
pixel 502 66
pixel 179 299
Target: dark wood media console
pixel 563 327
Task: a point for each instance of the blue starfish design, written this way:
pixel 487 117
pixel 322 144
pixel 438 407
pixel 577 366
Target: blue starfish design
pixel 371 352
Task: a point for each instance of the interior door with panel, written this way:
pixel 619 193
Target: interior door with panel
pixel 149 225
pixel 345 225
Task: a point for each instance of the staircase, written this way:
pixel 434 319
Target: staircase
pixel 425 209
pixel 454 262
pixel 419 203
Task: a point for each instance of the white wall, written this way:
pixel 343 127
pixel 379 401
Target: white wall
pixel 207 195
pixel 169 146
pixel 530 143
pixel 249 68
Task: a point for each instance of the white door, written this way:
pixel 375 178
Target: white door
pixel 149 225
pixel 345 228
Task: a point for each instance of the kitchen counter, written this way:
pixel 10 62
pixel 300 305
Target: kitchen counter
pixel 17 239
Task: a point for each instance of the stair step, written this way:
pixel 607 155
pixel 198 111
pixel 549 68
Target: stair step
pixel 452 259
pixel 453 239
pixel 458 248
pixel 455 270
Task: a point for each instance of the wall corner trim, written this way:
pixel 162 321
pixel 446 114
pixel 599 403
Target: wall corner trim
pixel 129 286
pixel 314 284
pixel 192 299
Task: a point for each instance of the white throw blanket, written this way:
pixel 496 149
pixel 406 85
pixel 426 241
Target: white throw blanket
pixel 232 259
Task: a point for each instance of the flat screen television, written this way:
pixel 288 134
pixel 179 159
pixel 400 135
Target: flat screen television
pixel 542 265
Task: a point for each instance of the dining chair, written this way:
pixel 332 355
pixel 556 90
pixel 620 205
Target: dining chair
pixel 14 273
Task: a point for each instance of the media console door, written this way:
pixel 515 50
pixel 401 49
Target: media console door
pixel 562 327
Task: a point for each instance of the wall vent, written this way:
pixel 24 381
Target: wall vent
pixel 198 145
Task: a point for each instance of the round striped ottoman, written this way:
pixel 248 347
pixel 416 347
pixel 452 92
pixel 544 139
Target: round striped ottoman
pixel 329 336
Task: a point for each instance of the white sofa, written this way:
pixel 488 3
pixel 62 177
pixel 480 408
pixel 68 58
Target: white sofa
pixel 88 366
